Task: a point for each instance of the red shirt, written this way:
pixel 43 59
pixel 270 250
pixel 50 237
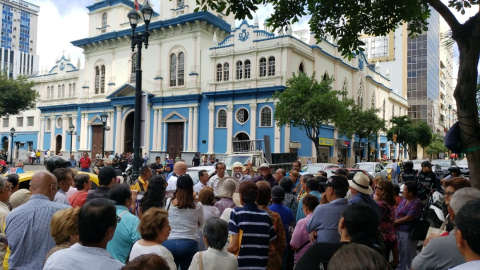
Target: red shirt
pixel 78 198
pixel 85 162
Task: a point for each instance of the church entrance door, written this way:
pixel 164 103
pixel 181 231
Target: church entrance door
pixel 129 126
pixel 175 139
pixel 97 140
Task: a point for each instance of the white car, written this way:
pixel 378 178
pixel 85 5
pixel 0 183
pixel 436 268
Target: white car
pixel 314 168
pixel 373 168
pixel 193 172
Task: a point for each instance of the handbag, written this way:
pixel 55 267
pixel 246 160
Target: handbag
pixel 418 229
pixel 200 261
pixel 437 231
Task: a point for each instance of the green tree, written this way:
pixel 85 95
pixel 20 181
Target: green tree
pixel 309 105
pixel 16 95
pixel 436 146
pixel 410 134
pixel 347 20
pixel 364 123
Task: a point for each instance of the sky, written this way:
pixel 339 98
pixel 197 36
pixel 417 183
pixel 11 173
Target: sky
pixel 69 20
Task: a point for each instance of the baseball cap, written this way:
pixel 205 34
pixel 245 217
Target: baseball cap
pixel 341 172
pixel 426 163
pixel 184 181
pixel 336 182
pixel 278 192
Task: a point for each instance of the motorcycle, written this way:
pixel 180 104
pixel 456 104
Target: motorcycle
pixel 127 175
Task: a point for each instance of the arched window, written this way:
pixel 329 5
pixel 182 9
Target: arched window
pixel 48 124
pixel 73 90
pixel 173 70
pixel 360 95
pixel 263 67
pixel 344 89
pixel 219 72
pixel 271 66
pixel 222 118
pixel 374 101
pixel 239 70
pixel 301 68
pixel 247 69
pixel 325 76
pixel 384 108
pixel 48 92
pixel 104 20
pixel 69 90
pixel 97 80
pixel 102 80
pixel 63 90
pixel 226 72
pixel 181 69
pixel 59 91
pixel 266 117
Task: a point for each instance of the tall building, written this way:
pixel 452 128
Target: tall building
pixel 206 84
pixel 19 38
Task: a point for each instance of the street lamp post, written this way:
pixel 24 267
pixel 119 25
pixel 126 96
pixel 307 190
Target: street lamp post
pixel 138 40
pixel 104 117
pixel 12 134
pixel 71 132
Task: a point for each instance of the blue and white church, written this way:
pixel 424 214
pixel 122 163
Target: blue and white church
pixel 205 83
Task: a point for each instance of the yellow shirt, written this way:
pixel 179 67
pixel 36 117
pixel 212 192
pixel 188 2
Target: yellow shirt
pixel 136 185
pixel 7 255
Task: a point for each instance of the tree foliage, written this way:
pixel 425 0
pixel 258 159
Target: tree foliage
pixel 364 123
pixel 309 104
pixel 410 134
pixel 16 95
pixel 436 146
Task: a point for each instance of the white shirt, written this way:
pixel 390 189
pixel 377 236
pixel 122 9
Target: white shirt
pixel 214 259
pixel 160 250
pixel 198 187
pixel 61 197
pixel 185 222
pixel 32 154
pixel 210 211
pixel 213 182
pixel 172 183
pixel 473 265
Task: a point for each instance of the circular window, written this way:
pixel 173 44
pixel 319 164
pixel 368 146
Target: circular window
pixel 242 116
pixel 59 122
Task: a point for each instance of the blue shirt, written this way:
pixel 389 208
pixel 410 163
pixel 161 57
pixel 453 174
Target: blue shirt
pixel 300 213
pixel 325 220
pixel 286 216
pixel 28 232
pixel 366 199
pixel 257 230
pixel 126 234
pixel 473 265
pixel 73 162
pixel 78 257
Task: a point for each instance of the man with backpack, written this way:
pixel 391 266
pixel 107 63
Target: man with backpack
pixel 141 184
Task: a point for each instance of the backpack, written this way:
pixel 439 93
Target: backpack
pixel 452 139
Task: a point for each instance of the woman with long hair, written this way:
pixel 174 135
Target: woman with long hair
pixel 155 195
pixel 385 198
pixel 186 217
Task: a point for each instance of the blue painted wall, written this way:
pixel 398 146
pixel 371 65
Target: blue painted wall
pixel 203 116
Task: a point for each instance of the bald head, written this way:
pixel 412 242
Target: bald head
pixel 44 183
pixel 180 168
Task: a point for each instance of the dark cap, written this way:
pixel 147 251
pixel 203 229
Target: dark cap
pixel 184 181
pixel 336 182
pixel 106 175
pixel 426 163
pixel 341 171
pixel 246 188
pixel 278 192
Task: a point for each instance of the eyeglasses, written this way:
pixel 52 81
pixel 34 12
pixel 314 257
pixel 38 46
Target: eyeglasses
pixel 449 193
pixel 377 187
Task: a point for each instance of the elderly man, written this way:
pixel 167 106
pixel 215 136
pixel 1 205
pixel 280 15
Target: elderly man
pixel 361 191
pixel 64 178
pixel 265 175
pixel 311 187
pixel 442 252
pixel 14 180
pixel 141 184
pixel 97 222
pixel 179 169
pixel 73 161
pixel 279 174
pixel 220 168
pixel 5 189
pixel 203 178
pixel 30 246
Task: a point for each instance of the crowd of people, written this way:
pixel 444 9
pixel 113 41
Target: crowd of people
pixel 270 220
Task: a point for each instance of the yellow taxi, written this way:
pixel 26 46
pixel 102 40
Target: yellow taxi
pixel 27 176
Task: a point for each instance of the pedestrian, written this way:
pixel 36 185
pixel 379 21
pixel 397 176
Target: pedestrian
pixel 278 195
pixel 145 159
pixel 311 187
pixel 309 161
pixel 23 241
pixel 73 161
pixel 409 208
pixel 107 178
pixel 220 170
pixel 154 229
pixel 300 241
pixel 100 165
pixel 64 178
pixel 357 257
pixel 97 221
pixel 361 191
pixel 126 233
pixel 4 211
pixel 295 176
pixel 385 198
pixel 64 229
pixel 196 161
pixel 14 180
pixel 225 193
pixel 141 184
pixel 37 156
pixel 98 155
pixel 427 177
pixel 186 217
pixel 279 174
pixel 202 181
pixel 265 175
pixel 207 199
pixel 179 169
pixel 83 184
pixel 290 200
pixel 154 196
pixel 157 167
pixel 85 163
pixel 33 157
pixel 395 172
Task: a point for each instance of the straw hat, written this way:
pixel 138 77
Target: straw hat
pixel 20 197
pixel 227 188
pixel 238 165
pixel 361 183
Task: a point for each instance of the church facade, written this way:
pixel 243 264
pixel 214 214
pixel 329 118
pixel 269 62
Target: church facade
pixel 205 84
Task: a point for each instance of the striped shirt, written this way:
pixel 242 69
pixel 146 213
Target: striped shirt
pixel 257 230
pixel 473 265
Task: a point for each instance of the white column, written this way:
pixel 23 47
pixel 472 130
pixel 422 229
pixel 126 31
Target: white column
pixel 314 152
pixel 287 139
pixel 159 131
pixel 195 129
pixel 146 148
pixel 229 128
pixel 118 130
pixel 164 147
pixel 276 147
pixel 111 132
pixel 83 132
pixel 211 127
pixel 335 144
pixel 64 128
pixel 253 121
pixel 74 137
pixel 52 137
pixel 155 130
pixel 190 128
pixel 41 133
pixel 184 137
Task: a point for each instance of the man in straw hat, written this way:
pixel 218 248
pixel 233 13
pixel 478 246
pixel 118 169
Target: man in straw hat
pixel 225 193
pixel 361 191
pixel 243 171
pixel 265 175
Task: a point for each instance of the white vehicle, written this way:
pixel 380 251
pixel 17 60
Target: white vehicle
pixel 373 168
pixel 193 172
pixel 314 168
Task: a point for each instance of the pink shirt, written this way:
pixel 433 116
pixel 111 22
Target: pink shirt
pixel 300 236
